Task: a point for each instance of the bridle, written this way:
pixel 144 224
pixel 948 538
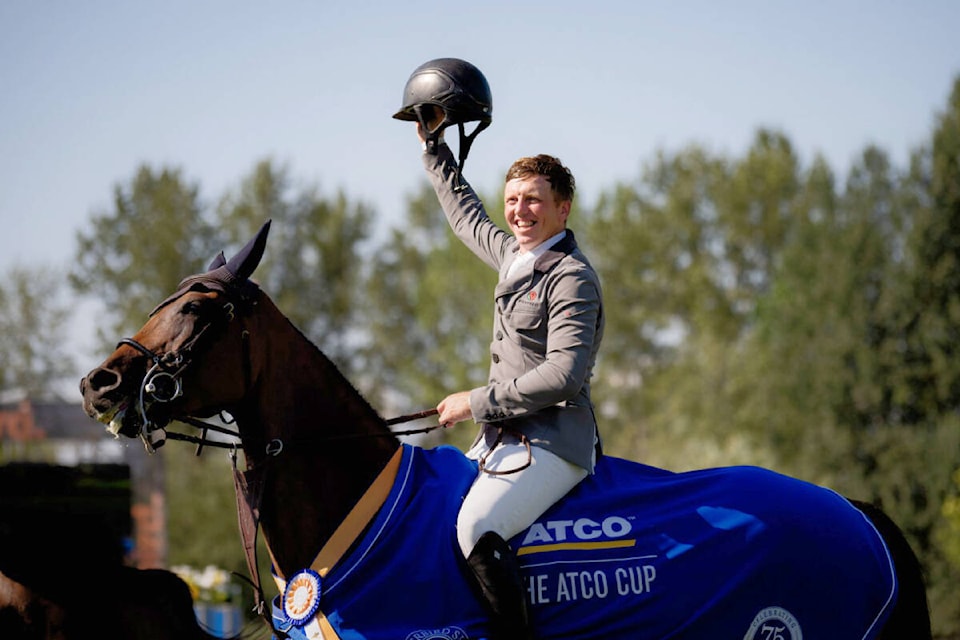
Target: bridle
pixel 163 382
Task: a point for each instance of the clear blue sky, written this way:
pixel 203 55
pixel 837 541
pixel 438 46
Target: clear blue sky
pixel 91 89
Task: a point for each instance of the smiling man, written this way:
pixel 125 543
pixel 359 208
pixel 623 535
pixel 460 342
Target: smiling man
pixel 534 212
pixel 538 435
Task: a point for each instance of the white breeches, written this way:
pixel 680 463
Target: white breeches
pixel 510 503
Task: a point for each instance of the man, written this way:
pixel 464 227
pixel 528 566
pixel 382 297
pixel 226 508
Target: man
pixel 538 435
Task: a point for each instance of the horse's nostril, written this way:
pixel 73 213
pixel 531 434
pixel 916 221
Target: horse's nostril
pixel 102 380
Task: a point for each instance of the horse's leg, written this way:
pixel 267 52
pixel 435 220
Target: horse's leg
pixel 910 619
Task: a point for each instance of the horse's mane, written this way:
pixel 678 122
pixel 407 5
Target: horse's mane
pixel 342 383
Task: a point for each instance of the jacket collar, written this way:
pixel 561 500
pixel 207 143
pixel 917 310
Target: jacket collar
pixel 554 254
pixel 549 259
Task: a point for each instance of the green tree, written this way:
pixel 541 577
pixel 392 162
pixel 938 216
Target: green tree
pixel 951 526
pixel 33 331
pixel 137 253
pixel 922 373
pixel 312 269
pixel 808 362
pixel 750 210
pixel 688 252
pixel 202 524
pixel 930 327
pixel 428 313
pixel 650 243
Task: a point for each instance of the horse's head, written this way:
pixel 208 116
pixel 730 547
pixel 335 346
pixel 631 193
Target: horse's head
pixel 187 360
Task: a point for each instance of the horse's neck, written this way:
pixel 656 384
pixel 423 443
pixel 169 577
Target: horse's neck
pixel 335 444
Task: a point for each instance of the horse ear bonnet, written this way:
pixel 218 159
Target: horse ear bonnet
pixel 242 265
pixel 219 261
pixel 232 276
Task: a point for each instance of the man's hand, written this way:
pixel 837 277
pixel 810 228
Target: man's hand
pixel 435 119
pixel 434 116
pixel 455 408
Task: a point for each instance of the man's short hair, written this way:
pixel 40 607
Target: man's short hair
pixel 561 180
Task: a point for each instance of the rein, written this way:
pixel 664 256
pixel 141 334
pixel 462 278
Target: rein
pixel 276 446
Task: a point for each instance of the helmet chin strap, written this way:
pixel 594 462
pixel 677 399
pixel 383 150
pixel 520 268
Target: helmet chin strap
pixel 432 137
pixel 465 142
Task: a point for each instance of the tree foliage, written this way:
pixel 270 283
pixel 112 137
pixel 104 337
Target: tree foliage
pixel 135 254
pixel 313 269
pixel 428 314
pixel 33 331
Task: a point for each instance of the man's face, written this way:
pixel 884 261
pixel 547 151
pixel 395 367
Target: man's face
pixel 532 212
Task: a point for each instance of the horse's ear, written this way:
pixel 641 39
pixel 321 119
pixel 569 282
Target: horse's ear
pixel 219 261
pixel 245 262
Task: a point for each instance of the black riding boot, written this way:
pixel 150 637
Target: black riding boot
pixel 495 566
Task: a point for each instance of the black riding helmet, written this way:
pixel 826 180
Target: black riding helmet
pixel 458 89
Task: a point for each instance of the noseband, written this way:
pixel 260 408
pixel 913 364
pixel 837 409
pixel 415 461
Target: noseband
pixel 163 382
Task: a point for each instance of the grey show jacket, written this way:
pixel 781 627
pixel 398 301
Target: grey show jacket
pixel 547 328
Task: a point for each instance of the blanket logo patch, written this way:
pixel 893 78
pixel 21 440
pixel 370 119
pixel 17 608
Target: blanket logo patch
pixel 447 633
pixel 774 623
pixel 581 533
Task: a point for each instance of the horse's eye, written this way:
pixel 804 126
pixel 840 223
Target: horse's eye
pixel 191 307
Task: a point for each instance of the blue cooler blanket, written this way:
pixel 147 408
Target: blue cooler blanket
pixel 632 552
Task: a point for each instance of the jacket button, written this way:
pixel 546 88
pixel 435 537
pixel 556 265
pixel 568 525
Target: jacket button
pixel 495 358
pixel 499 335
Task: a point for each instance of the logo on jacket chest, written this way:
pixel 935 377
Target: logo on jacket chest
pixel 528 303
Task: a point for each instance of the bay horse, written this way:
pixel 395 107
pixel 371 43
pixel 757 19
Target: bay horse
pixel 360 526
